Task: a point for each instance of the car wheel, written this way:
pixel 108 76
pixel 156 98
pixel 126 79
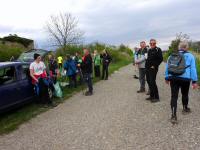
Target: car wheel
pixel 50 91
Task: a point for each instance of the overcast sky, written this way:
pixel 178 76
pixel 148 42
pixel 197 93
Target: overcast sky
pixel 108 21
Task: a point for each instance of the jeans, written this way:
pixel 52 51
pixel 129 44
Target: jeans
pixel 184 86
pixel 105 71
pixel 88 80
pixel 142 73
pixel 151 80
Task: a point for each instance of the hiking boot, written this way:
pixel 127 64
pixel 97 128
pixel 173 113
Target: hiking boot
pixel 88 93
pixel 174 119
pixel 141 91
pixel 186 111
pixel 148 93
pixel 149 98
pixel 155 100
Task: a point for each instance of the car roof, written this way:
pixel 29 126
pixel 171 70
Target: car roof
pixel 4 64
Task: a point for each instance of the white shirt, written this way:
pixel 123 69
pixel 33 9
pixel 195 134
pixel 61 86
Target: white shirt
pixel 38 68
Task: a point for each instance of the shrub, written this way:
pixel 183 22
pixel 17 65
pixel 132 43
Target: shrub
pixel 117 53
pixel 6 52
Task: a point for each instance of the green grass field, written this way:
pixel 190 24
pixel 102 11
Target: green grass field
pixel 12 120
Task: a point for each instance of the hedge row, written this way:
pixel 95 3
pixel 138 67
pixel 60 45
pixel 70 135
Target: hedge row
pixel 117 53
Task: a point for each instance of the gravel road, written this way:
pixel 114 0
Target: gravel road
pixel 114 118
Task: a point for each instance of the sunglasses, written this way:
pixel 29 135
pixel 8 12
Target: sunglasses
pixel 152 43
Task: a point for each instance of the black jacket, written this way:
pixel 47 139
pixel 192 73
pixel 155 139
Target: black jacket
pixel 106 59
pixel 142 51
pixel 154 58
pixel 86 64
pixel 53 66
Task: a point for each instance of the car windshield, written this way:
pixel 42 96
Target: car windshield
pixel 28 56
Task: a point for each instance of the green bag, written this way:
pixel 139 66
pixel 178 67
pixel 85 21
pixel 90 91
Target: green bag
pixel 58 91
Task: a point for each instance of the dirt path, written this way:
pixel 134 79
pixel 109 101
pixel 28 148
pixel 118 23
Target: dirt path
pixel 115 118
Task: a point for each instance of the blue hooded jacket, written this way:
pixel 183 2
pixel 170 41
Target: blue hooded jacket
pixel 190 72
pixel 70 66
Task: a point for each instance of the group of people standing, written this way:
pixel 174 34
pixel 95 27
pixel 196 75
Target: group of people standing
pixel 84 68
pixel 74 66
pixel 179 73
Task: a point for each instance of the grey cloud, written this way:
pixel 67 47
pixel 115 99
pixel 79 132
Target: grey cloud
pixel 117 21
pixel 115 25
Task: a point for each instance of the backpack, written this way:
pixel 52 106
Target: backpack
pixel 176 64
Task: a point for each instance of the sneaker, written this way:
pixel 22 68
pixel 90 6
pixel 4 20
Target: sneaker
pixel 149 98
pixel 174 119
pixel 186 111
pixel 148 93
pixel 155 100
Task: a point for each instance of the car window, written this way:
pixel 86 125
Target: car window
pixel 24 69
pixel 7 75
pixel 26 72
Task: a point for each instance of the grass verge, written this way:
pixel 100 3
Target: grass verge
pixel 12 120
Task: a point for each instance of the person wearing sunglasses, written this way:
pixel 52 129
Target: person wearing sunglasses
pixel 153 60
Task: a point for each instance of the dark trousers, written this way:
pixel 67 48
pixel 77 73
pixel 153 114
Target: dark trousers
pixel 142 73
pixel 151 80
pixel 72 81
pixel 60 65
pixel 97 71
pixel 175 86
pixel 105 71
pixel 42 92
pixel 88 80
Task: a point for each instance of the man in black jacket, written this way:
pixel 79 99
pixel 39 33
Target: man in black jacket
pixel 154 59
pixel 86 67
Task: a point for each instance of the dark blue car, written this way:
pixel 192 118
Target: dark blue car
pixel 15 85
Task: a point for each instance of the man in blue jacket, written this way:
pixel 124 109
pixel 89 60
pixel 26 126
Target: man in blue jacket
pixel 70 67
pixel 182 81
